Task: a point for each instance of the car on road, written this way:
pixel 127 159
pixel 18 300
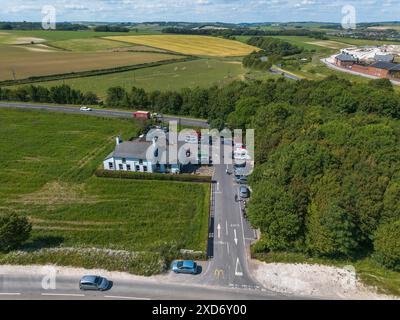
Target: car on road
pixel 94 283
pixel 83 108
pixel 244 192
pixel 184 266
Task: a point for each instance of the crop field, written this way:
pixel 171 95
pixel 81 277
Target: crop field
pixel 22 62
pixel 91 44
pixel 174 76
pixel 46 174
pixel 191 45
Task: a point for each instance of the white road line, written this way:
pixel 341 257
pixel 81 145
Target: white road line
pixel 64 294
pixel 236 239
pixel 122 297
pixel 238 268
pixel 227 246
pixel 226 224
pixel 10 293
pixel 219 231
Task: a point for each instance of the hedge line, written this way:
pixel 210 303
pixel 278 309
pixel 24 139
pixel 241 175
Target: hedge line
pixel 101 173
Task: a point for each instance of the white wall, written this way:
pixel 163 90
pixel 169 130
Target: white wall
pixel 117 162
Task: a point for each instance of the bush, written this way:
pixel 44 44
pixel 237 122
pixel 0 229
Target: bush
pixel 14 230
pixel 387 245
pixel 101 173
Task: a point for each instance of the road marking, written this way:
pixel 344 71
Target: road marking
pixel 236 239
pixel 235 225
pixel 64 294
pixel 122 297
pixel 238 268
pixel 227 247
pixel 10 293
pixel 218 273
pixel 219 230
pixel 226 226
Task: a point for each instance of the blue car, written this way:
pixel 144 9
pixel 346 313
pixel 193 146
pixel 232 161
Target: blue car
pixel 184 266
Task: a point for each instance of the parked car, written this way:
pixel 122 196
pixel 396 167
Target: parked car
pixel 184 266
pixel 93 283
pixel 244 192
pixel 83 108
pixel 241 179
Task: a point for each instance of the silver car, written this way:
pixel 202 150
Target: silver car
pixel 94 283
pixel 244 192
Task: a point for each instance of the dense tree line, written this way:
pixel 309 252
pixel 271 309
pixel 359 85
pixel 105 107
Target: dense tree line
pixel 274 46
pixel 62 26
pixel 326 184
pixel 108 28
pixel 59 94
pixel 216 103
pixel 231 32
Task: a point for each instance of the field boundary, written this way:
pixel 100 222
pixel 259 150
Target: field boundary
pixel 91 73
pixel 101 173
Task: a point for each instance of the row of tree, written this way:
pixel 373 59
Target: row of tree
pixel 274 46
pixel 242 31
pixel 63 94
pixel 110 28
pixel 62 26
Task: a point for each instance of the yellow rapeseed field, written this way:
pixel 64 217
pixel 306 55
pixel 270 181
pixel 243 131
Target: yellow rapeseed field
pixel 191 45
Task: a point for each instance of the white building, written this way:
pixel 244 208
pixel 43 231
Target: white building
pixel 143 156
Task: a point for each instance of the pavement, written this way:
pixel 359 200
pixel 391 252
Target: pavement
pixel 100 113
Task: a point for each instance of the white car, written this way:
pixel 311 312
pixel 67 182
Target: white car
pixel 83 108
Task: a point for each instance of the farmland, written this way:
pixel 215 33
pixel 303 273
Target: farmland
pixel 191 45
pixel 201 73
pixel 48 160
pixel 20 62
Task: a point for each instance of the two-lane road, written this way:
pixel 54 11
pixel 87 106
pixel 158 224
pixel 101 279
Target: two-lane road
pixel 100 113
pixel 29 286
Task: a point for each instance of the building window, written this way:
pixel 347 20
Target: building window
pixel 123 160
pixel 128 167
pixel 137 168
pixel 120 166
pixel 110 165
pixel 145 168
pixel 140 161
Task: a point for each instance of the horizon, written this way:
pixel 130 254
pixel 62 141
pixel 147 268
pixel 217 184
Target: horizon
pixel 203 11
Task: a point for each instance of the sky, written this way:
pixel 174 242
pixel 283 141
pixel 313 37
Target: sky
pixel 234 11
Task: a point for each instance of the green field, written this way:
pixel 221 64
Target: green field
pixel 174 76
pixel 46 174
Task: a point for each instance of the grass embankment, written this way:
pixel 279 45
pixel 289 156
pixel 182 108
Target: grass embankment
pixel 47 174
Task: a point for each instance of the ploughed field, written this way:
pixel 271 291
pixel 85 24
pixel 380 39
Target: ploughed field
pixel 19 62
